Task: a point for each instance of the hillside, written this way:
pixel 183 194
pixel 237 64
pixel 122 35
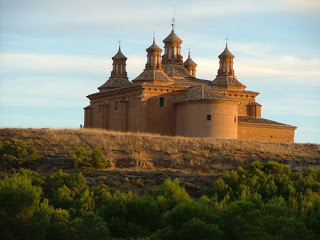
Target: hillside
pixel 140 161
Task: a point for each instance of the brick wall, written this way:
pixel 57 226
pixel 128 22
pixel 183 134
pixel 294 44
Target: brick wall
pixel 192 119
pixel 265 133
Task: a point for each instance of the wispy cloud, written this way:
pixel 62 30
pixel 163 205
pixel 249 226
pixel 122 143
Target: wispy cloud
pixel 97 14
pixel 287 68
pixel 27 89
pixel 16 62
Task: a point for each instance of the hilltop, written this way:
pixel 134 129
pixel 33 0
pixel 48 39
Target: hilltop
pixel 139 161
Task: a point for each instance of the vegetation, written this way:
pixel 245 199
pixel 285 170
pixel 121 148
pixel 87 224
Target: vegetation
pixel 149 150
pixel 266 201
pixel 86 161
pixel 263 200
pixel 16 154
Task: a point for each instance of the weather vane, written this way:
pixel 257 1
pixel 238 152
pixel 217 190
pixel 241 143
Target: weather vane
pixel 174 17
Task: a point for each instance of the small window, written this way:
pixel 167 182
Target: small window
pixel 161 102
pixel 116 105
pixel 209 117
pixel 235 119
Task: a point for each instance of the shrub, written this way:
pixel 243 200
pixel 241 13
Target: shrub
pixel 84 160
pixel 16 154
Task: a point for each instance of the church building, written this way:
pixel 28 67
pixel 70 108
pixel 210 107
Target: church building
pixel 167 98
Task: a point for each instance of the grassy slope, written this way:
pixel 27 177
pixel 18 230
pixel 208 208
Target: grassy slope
pixel 143 160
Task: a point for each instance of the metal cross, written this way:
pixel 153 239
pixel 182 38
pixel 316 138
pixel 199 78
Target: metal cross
pixel 226 40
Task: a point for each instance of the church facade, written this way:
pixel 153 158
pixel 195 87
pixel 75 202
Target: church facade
pixel 167 98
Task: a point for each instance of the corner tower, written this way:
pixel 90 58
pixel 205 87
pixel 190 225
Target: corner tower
pixel 119 65
pixel 118 76
pixel 190 65
pixel 226 63
pixel 225 77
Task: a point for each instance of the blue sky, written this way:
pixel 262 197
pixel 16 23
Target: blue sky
pixel 54 53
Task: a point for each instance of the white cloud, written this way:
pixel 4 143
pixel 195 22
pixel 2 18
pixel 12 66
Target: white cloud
pixel 46 92
pixel 74 15
pixel 287 68
pixel 55 80
pixel 305 7
pixel 54 63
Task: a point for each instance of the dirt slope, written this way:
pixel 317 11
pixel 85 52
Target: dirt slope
pixel 140 161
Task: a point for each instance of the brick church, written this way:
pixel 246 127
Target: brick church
pixel 167 98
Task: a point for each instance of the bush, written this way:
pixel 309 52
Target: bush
pixel 86 161
pixel 16 154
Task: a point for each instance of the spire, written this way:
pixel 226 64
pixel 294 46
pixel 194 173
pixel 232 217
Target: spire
pixel 190 65
pixel 119 54
pixel 172 49
pixel 118 76
pixel 226 62
pixel 119 64
pixel 154 56
pixel 226 78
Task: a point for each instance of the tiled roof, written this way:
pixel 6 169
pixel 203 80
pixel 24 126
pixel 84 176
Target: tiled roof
pixel 174 70
pixel 201 92
pixel 153 47
pixel 172 37
pixel 153 75
pixel 189 62
pixel 119 55
pixel 227 80
pixel 115 83
pixel 261 121
pixel 254 104
pixel 226 52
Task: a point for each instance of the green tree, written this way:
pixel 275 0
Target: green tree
pixel 280 221
pixel 242 220
pixel 18 202
pixel 101 194
pixel 186 211
pixel 16 154
pixel 312 219
pixel 85 161
pixel 197 229
pixel 171 193
pixel 89 227
pixel 68 191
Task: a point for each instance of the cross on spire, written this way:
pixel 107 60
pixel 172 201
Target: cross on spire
pixel 226 41
pixel 119 43
pixel 189 53
pixel 154 36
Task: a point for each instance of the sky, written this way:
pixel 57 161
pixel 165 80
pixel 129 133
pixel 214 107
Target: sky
pixel 55 53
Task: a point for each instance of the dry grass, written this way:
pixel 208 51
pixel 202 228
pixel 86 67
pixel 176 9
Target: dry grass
pixel 141 161
pixel 156 151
